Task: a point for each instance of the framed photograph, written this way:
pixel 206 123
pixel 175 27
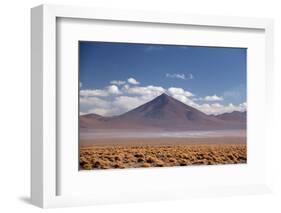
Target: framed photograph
pixel 129 106
pixel 160 114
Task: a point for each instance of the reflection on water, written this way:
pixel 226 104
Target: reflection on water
pixel 179 134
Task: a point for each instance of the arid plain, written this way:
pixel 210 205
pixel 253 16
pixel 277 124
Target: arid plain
pixel 162 133
pixel 222 147
pixel 163 153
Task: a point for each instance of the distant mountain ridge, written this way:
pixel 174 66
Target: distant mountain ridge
pixel 164 113
pixel 233 116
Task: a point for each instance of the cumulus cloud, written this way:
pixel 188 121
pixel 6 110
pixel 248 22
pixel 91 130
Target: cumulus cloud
pixel 179 91
pixel 114 100
pixel 94 92
pixel 100 111
pixel 126 86
pixel 94 101
pixel 213 98
pixel 148 90
pixel 179 76
pixel 113 89
pixel 217 108
pixel 133 81
pixel 118 82
pixel 126 103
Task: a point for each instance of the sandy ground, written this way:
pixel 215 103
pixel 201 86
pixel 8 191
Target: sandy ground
pixel 110 153
pixel 119 150
pixel 122 156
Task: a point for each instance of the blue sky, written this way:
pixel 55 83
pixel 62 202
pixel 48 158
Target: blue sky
pixel 202 71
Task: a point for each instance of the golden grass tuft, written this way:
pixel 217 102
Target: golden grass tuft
pixel 120 157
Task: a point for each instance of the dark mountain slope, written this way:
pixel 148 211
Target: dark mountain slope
pixel 161 113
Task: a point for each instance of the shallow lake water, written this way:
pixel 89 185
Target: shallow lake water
pixel 162 134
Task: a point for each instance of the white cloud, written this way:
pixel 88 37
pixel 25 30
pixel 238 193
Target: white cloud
pixel 113 89
pixel 184 99
pixel 97 105
pixel 100 111
pixel 113 100
pixel 94 101
pixel 117 101
pixel 179 91
pixel 126 86
pixel 148 90
pixel 94 92
pixel 213 98
pixel 217 108
pixel 133 81
pixel 179 76
pixel 243 105
pixel 117 82
pixel 216 105
pixel 181 95
pixel 126 103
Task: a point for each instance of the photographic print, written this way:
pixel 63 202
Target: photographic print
pixel 152 105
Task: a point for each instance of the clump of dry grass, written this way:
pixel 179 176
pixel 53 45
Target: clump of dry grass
pixel 145 165
pixel 120 157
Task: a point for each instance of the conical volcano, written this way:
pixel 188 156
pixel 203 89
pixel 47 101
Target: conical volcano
pixel 166 108
pixel 162 113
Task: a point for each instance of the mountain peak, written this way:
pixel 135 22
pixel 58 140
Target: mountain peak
pixel 165 113
pixel 162 99
pixel 163 95
pixel 164 108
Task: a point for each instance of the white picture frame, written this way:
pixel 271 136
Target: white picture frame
pixel 45 173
